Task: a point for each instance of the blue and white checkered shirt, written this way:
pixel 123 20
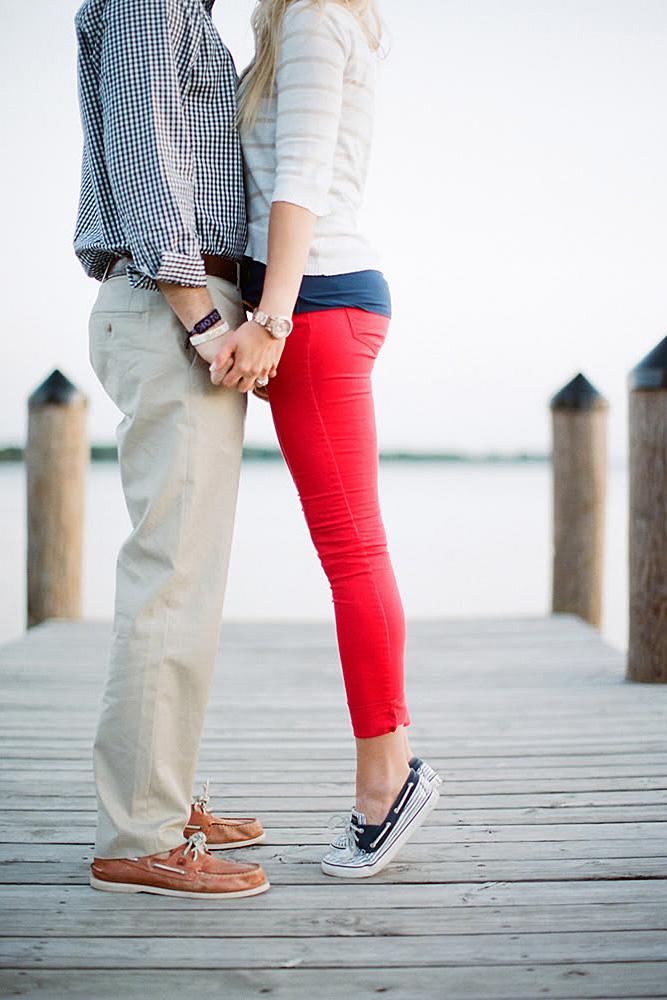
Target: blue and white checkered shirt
pixel 162 177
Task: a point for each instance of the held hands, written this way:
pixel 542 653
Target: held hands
pixel 210 350
pixel 243 356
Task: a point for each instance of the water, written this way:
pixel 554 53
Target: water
pixel 466 540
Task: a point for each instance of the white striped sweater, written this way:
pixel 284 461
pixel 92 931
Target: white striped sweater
pixel 310 144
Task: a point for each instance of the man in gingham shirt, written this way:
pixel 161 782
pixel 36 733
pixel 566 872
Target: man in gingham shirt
pixel 162 225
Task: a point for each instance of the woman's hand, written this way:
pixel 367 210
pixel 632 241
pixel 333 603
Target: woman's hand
pixel 247 354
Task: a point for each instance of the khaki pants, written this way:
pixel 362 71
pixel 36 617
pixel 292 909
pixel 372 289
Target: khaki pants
pixel 180 443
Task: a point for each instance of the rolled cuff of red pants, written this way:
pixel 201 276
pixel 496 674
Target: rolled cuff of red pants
pixel 369 721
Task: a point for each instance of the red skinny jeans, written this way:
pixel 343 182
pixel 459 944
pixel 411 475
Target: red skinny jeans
pixel 322 406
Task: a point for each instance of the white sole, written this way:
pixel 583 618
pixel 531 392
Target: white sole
pixel 340 871
pixel 98 883
pixel 236 845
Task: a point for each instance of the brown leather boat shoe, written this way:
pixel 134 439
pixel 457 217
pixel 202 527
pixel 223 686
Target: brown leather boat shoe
pixel 222 832
pixel 188 870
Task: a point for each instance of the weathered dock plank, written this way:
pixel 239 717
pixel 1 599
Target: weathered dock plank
pixel 570 981
pixel 64 921
pixel 418 951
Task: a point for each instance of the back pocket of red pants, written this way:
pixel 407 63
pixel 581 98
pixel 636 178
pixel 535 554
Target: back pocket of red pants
pixel 369 329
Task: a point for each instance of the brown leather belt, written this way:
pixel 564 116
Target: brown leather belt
pixel 216 267
pixel 222 267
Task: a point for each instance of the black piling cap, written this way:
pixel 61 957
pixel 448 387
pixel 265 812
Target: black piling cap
pixel 56 390
pixel 579 394
pixel 651 372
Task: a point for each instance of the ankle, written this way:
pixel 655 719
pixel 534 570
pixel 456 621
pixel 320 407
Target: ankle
pixel 377 793
pixel 382 778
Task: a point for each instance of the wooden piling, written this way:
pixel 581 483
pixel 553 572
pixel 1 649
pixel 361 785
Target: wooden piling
pixel 647 653
pixel 579 427
pixel 56 460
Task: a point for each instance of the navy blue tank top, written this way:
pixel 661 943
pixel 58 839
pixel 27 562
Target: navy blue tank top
pixel 367 290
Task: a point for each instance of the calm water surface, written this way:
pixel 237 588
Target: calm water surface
pixel 467 540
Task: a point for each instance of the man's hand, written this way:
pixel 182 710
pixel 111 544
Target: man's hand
pixel 209 350
pixel 246 354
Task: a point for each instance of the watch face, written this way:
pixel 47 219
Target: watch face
pixel 281 327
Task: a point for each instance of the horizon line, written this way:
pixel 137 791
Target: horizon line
pixel 100 453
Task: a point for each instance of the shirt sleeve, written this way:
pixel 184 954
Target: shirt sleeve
pixel 148 50
pixel 309 92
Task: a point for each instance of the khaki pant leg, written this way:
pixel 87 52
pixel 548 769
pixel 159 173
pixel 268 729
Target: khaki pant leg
pixel 180 443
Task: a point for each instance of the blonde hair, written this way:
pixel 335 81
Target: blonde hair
pixel 258 81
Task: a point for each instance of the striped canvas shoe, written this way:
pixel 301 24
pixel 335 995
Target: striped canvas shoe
pixel 370 848
pixel 417 764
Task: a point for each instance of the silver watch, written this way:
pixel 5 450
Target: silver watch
pixel 278 326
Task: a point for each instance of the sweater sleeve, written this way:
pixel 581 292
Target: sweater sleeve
pixel 309 94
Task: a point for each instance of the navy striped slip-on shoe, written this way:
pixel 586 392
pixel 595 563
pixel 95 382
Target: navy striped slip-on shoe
pixel 418 765
pixel 369 848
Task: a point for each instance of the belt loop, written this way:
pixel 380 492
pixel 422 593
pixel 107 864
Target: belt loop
pixel 112 261
pixel 117 266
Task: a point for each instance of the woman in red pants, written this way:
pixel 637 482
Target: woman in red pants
pixel 306 111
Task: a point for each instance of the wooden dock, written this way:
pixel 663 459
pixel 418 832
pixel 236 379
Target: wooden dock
pixel 541 874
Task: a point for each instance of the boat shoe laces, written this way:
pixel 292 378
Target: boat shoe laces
pixel 348 826
pixel 195 845
pixel 354 826
pixel 201 801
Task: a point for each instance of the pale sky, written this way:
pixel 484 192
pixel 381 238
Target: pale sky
pixel 518 195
